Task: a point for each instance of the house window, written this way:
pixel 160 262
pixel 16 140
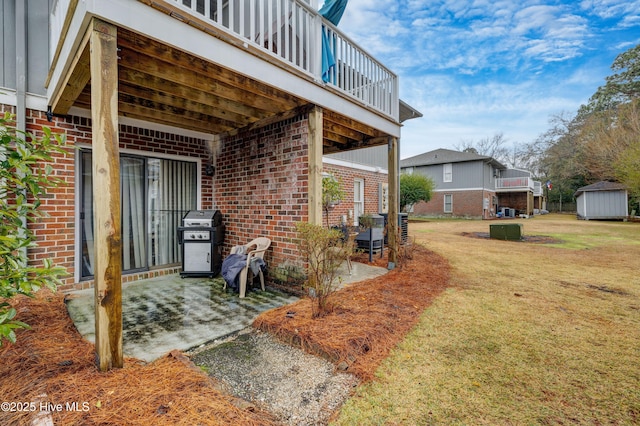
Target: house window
pixel 154 194
pixel 358 199
pixel 448 203
pixel 447 172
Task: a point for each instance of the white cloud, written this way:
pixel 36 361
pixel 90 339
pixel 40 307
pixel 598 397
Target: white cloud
pixel 478 67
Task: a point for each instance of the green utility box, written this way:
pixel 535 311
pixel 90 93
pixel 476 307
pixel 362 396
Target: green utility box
pixel 509 231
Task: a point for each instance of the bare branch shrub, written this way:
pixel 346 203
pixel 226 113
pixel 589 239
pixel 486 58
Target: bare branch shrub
pixel 323 250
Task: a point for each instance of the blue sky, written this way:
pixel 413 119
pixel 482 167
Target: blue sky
pixel 478 68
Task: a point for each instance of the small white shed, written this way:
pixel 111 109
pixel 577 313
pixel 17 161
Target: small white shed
pixel 602 200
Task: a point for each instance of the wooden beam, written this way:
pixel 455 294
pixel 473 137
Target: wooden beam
pixel 75 80
pixel 315 166
pixel 344 131
pixel 276 118
pixel 224 83
pixel 177 111
pixel 175 90
pixel 335 138
pixel 351 124
pixel 394 198
pixel 209 85
pixel 131 42
pixel 176 120
pixel 164 100
pixel 71 8
pixel 161 115
pixel 106 194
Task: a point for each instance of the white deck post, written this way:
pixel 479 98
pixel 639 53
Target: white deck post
pixel 394 197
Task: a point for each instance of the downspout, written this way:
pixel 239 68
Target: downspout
pixel 484 189
pixel 21 86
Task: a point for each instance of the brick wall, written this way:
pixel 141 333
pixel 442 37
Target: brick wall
pixel 55 235
pixel 465 204
pixel 347 175
pixel 261 187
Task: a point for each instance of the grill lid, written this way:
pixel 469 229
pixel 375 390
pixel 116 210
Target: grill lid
pixel 199 218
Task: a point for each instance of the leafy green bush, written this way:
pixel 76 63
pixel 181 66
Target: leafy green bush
pixel 414 188
pixel 23 181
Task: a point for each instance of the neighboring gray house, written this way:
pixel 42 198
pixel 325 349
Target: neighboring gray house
pixel 469 184
pixel 602 200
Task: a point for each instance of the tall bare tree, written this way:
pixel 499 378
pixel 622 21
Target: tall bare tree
pixel 494 146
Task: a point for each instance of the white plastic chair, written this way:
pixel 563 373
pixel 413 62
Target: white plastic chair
pixel 261 245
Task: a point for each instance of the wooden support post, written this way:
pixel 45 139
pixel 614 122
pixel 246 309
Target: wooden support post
pixel 315 166
pixel 106 195
pixel 394 199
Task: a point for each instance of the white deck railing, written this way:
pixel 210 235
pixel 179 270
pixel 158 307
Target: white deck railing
pixel 291 30
pixel 514 184
pixel 59 9
pixel 537 189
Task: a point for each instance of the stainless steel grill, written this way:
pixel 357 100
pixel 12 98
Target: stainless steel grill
pixel 202 236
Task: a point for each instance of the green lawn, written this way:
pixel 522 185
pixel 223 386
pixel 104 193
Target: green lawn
pixel 527 333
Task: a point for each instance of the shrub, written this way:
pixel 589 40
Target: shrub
pixel 323 250
pixel 23 181
pixel 414 188
pixel 332 194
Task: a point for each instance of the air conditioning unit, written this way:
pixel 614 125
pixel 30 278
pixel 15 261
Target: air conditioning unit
pixel 508 212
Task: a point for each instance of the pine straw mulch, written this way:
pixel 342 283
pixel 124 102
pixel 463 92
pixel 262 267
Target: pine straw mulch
pixel 52 363
pixel 369 318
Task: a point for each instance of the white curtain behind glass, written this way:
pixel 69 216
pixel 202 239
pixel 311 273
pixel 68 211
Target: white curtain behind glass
pixel 172 192
pixel 134 253
pixel 152 210
pixel 86 215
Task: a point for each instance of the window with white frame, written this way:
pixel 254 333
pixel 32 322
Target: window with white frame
pixel 447 172
pixel 448 203
pixel 155 193
pixel 358 199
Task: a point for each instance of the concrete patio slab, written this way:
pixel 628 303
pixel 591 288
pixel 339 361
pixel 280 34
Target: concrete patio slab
pixel 166 313
pixel 170 312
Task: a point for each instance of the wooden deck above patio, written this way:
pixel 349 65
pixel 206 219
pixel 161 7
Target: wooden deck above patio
pixel 198 73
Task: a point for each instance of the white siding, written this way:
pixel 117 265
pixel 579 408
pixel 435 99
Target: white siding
pixel 602 205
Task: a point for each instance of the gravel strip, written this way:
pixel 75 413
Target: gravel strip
pixel 298 388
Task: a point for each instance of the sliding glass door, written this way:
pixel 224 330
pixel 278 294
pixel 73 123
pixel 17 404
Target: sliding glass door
pixel 155 194
pixel 172 193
